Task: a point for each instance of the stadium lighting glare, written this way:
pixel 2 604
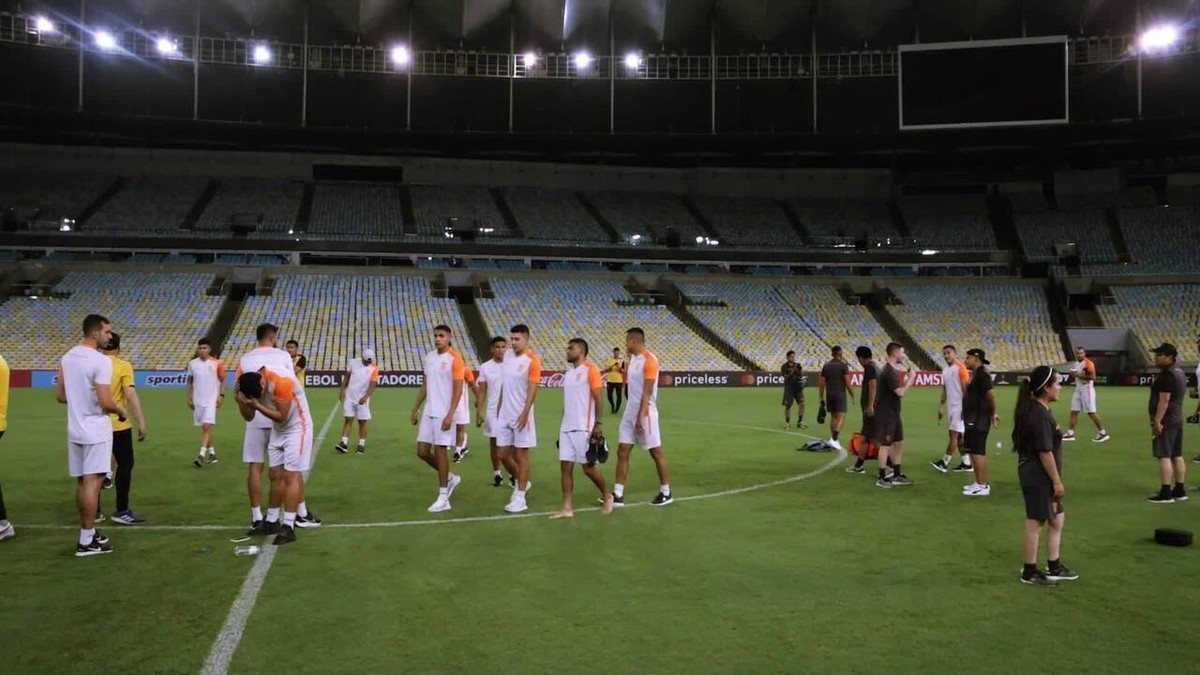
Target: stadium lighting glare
pixel 166 46
pixel 699 240
pixel 929 251
pixel 105 40
pixel 632 61
pixel 582 60
pixel 529 60
pixel 1159 38
pixel 261 54
pixel 43 25
pixel 400 55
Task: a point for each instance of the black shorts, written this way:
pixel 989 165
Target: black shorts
pixel 1039 502
pixel 974 442
pixel 1168 444
pixel 890 430
pixel 835 404
pixel 870 427
pixel 793 394
pixel 615 386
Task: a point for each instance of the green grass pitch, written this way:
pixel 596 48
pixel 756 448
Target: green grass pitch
pixel 822 575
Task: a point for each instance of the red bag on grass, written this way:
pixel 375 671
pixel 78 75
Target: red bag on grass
pixel 859 445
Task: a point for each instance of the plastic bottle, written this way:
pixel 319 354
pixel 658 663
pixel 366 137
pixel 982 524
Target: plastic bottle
pixel 246 550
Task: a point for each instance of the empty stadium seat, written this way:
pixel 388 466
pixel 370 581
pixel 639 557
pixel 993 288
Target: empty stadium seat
pixel 149 205
pixel 553 215
pixel 647 213
pixel 473 206
pixel 1156 314
pixel 749 222
pixel 353 211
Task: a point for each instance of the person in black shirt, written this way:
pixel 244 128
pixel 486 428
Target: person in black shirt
pixel 893 385
pixel 835 389
pixel 1166 423
pixel 978 414
pixel 793 390
pixel 870 387
pixel 1037 440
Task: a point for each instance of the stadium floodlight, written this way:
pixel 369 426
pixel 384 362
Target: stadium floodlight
pixel 633 61
pixel 261 54
pixel 400 55
pixel 1159 38
pixel 43 25
pixel 582 60
pixel 166 46
pixel 930 251
pixel 105 40
pixel 529 60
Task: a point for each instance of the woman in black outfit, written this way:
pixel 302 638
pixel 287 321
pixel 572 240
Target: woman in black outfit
pixel 1037 441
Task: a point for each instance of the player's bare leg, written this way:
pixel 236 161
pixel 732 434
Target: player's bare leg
pixel 568 489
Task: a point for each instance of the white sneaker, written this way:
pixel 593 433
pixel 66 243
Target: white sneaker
pixel 455 479
pixel 970 488
pixel 836 445
pixel 7 532
pixel 978 490
pixel 442 504
pixel 1069 436
pixel 517 505
pixel 1101 438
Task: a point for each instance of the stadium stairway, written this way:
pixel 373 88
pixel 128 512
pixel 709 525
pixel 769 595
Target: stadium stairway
pixel 673 299
pixel 794 219
pixel 588 206
pixel 1000 213
pixel 698 215
pixel 1117 234
pixel 227 316
pixel 197 210
pixel 473 320
pixel 877 302
pixel 99 202
pixel 1058 318
pixel 510 219
pixel 304 212
pixel 898 218
pixel 407 214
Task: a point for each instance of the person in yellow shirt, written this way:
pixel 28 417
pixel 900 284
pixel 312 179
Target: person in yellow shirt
pixel 7 531
pixel 299 361
pixel 614 368
pixel 126 397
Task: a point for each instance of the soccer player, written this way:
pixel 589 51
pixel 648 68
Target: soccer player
pixel 639 425
pixel 462 415
pixel 894 383
pixel 978 416
pixel 85 386
pixel 205 393
pixel 614 370
pixel 835 391
pixel 299 361
pixel 277 398
pixel 1038 443
pixel 793 390
pixel 125 396
pixel 439 393
pixel 521 375
pixel 870 390
pixel 1084 398
pixel 1166 423
pixel 487 407
pixel 954 379
pixel 581 423
pixel 7 531
pixel 358 384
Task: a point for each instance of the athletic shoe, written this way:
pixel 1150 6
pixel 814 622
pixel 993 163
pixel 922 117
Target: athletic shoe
pixel 342 447
pixel 884 483
pixel 618 502
pixel 1179 494
pixel 787 425
pixel 99 516
pixel 452 483
pixel 96 547
pixel 662 500
pixel 963 468
pixel 1161 498
pixel 1196 459
pixel 270 528
pixel 442 504
pixel 517 505
pixel 309 521
pixel 1101 438
pixel 7 532
pixel 836 445
pixel 1069 436
pixel 970 486
pixel 286 536
pixel 856 470
pixel 127 517
pixel 101 537
pixel 940 466
pixel 977 490
pixel 108 482
pixel 257 529
pixel 901 480
pixel 512 482
pixel 497 481
pixel 801 425
pixel 212 457
pixel 1037 578
pixel 198 462
pixel 1061 573
pixel 360 450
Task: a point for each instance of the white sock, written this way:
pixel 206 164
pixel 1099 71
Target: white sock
pixel 212 451
pixel 444 493
pixel 85 537
pixel 966 460
pixel 289 518
pixel 345 440
pixel 272 515
pixel 303 510
pixel 109 475
pixel 496 473
pixel 362 442
pixel 521 493
pixel 619 490
pixel 665 488
pixel 255 514
pixel 1104 432
pixel 946 459
pixel 202 450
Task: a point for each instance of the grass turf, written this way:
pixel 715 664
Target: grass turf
pixel 827 574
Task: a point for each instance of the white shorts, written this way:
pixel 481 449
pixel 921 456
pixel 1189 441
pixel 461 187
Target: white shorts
pixel 254 446
pixel 351 408
pixel 648 439
pixel 292 451
pixel 202 415
pixel 462 415
pixel 431 433
pixel 490 424
pixel 89 459
pixel 509 436
pixel 1084 400
pixel 956 420
pixel 573 446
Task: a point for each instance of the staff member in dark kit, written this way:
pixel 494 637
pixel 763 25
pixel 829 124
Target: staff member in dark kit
pixel 978 414
pixel 1166 424
pixel 793 390
pixel 835 389
pixel 1037 440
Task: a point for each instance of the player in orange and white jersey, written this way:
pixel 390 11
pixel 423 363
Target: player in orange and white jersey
pixel 440 392
pixel 639 426
pixel 462 414
pixel 517 433
pixel 487 407
pixel 955 377
pixel 581 424
pixel 358 384
pixel 1084 398
pixel 205 393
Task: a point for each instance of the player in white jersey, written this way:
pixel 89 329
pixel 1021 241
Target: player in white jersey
pixel 581 426
pixel 462 415
pixel 521 375
pixel 439 394
pixel 1084 398
pixel 258 437
pixel 955 377
pixel 639 425
pixel 358 384
pixel 487 406
pixel 85 386
pixel 277 397
pixel 205 393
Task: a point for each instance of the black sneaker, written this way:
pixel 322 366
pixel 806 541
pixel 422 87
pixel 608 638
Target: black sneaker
pixel 901 480
pixel 198 462
pixel 360 450
pixel 108 483
pixel 884 483
pixel 286 536
pixel 101 537
pixel 96 547
pixel 270 528
pixel 661 499
pixel 212 457
pixel 342 448
pixel 963 468
pixel 1037 578
pixel 1061 573
pixel 512 482
pixel 618 502
pixel 856 469
pixel 940 466
pixel 497 480
pixel 257 529
pixel 309 521
pixel 1179 494
pixel 1196 459
pixel 1161 498
pixel 99 516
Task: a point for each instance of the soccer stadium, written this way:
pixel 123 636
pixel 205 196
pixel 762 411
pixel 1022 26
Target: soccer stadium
pixel 404 264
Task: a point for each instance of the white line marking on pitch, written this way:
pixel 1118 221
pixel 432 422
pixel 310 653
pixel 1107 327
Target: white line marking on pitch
pixel 226 643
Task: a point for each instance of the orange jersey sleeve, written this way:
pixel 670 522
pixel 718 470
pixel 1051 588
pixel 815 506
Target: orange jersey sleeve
pixel 468 375
pixel 651 368
pixel 375 373
pixel 594 380
pixel 964 375
pixel 456 370
pixel 284 387
pixel 535 368
pixel 221 370
pixel 1089 367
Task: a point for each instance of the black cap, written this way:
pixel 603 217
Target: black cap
pixel 114 342
pixel 1166 349
pixel 981 354
pixel 250 384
